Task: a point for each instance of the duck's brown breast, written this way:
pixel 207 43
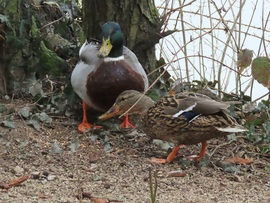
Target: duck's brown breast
pixel 109 80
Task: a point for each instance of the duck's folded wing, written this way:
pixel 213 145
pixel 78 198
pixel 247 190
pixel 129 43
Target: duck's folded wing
pixel 133 61
pixel 88 53
pixel 175 106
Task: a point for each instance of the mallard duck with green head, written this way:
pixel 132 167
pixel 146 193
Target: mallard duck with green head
pixel 184 118
pixel 104 71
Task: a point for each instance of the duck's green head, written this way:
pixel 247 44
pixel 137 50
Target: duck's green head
pixel 112 40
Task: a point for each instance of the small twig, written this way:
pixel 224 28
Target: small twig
pixel 26 128
pixel 219 146
pixel 166 16
pixel 263 29
pixel 225 24
pixel 229 21
pixel 55 21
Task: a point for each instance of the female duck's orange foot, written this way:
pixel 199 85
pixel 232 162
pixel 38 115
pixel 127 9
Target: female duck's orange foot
pixel 169 158
pixel 201 154
pixel 126 123
pixel 85 126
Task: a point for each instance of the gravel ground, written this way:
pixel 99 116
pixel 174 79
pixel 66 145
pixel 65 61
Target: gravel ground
pixel 114 165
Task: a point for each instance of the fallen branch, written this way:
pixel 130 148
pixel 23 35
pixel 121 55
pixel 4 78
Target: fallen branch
pixel 87 195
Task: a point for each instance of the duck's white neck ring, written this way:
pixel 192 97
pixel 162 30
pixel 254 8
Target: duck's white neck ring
pixel 112 59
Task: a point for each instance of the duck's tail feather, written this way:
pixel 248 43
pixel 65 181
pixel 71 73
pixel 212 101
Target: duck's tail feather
pixel 82 47
pixel 233 129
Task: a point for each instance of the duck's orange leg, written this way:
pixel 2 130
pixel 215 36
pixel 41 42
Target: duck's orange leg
pixel 169 158
pixel 201 154
pixel 126 123
pixel 84 126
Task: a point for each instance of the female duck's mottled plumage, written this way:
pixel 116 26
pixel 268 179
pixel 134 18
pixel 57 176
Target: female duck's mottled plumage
pixel 184 118
pixel 106 70
pixel 188 119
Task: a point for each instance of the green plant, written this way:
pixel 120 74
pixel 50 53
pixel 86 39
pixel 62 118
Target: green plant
pixel 153 186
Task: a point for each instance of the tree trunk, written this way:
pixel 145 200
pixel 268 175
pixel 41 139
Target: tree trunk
pixel 139 22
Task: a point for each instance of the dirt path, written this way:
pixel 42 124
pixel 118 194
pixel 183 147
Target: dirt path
pixel 62 162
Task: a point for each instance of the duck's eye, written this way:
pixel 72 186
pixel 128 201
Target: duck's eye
pixel 122 99
pixel 113 32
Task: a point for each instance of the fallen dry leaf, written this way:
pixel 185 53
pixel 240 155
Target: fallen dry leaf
pixel 103 200
pixel 239 160
pixel 3 185
pixel 44 196
pixel 18 181
pixel 99 200
pixel 178 173
pixel 244 59
pixel 14 182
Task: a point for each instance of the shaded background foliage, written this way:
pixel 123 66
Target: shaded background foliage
pixel 31 45
pixel 40 40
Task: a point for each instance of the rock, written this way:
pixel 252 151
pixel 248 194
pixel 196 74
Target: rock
pixel 45 173
pixel 51 177
pixel 93 167
pixel 17 170
pixel 35 175
pixel 107 185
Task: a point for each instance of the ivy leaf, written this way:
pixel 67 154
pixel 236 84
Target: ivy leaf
pixel 39 117
pixel 266 135
pixel 261 71
pixel 8 124
pixel 163 144
pixel 74 146
pixel 3 108
pixel 34 123
pixel 25 112
pixel 232 137
pixel 93 138
pixel 56 149
pixel 43 117
pixel 4 19
pixel 36 89
pixel 232 169
pixel 107 147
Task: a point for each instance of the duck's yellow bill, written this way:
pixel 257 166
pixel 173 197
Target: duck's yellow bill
pixel 105 48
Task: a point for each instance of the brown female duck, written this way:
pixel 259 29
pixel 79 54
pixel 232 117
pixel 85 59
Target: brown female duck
pixel 184 118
